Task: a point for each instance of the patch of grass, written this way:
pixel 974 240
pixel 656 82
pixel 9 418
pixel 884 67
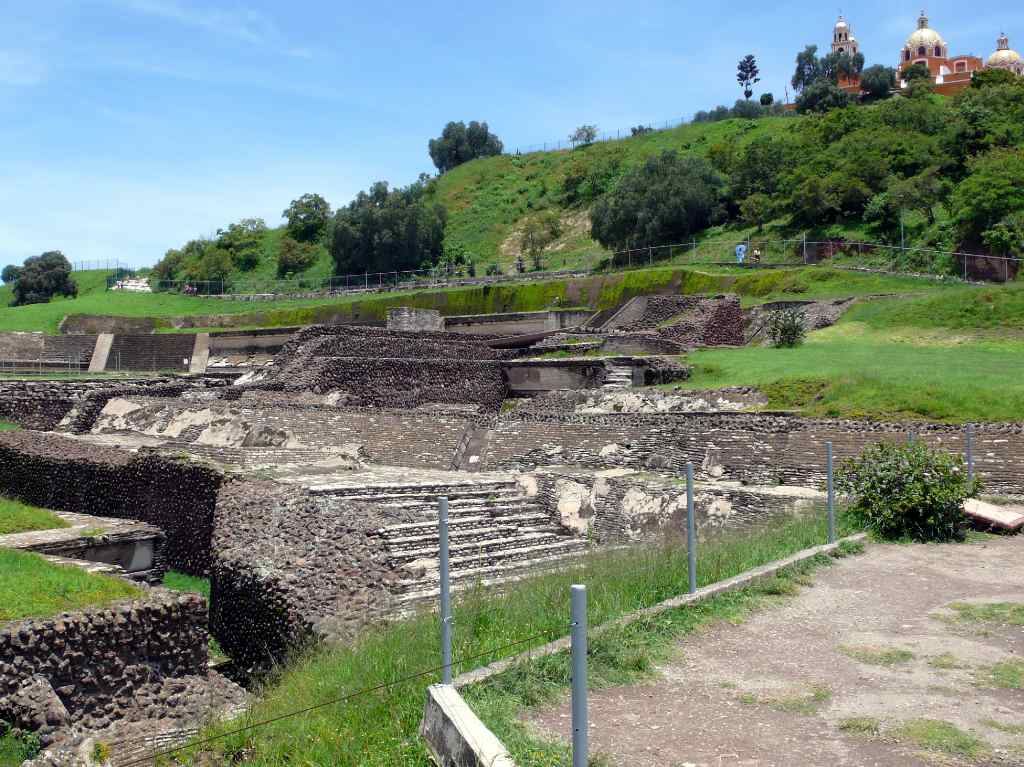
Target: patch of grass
pixel 1006 675
pixel 180 582
pixel 18 517
pixel 8 426
pixel 941 736
pixel 15 749
pixel 1007 727
pixel 945 662
pixel 866 726
pixel 804 702
pixel 31 587
pixel 381 728
pixel 851 370
pixel 878 656
pixel 1002 613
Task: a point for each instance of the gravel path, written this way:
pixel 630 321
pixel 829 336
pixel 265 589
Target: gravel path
pixel 873 638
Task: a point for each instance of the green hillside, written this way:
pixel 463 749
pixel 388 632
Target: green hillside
pixel 489 199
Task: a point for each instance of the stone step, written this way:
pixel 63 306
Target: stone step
pixel 463 552
pixel 410 493
pixel 509 572
pixel 429 538
pixel 391 532
pixel 495 509
pixel 464 567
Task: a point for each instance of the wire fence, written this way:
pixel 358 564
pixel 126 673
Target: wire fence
pixel 103 264
pixel 753 252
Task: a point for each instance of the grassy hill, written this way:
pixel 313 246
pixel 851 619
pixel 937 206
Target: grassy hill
pixel 489 200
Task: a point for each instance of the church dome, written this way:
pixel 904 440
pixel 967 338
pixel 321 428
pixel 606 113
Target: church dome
pixel 924 36
pixel 1004 57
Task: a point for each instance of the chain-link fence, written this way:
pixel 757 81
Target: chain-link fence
pixel 750 253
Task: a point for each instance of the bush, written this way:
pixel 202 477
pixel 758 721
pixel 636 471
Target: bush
pixel 294 257
pixel 43 277
pixel 493 270
pixel 908 491
pixel 786 328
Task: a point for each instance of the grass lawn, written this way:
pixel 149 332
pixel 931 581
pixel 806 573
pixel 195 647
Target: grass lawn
pixel 861 368
pixel 18 517
pixel 8 426
pixel 381 728
pixel 180 582
pixel 31 587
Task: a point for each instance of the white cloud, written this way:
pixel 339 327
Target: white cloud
pixel 239 23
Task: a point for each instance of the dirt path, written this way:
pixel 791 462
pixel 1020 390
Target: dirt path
pixel 830 676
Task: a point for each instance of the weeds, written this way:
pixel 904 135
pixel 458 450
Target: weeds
pixel 878 656
pixel 945 737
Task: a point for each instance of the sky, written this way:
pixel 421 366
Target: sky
pixel 128 127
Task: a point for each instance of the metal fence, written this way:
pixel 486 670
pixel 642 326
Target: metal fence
pixel 756 252
pixel 105 264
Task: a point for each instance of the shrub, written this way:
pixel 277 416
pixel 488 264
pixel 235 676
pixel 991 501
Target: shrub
pixel 43 277
pixel 493 270
pixel 908 491
pixel 786 328
pixel 294 257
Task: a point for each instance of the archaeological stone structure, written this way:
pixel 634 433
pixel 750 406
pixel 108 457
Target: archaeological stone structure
pixel 299 472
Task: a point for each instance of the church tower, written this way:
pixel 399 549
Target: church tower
pixel 843 40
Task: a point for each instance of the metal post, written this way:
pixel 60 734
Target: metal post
pixel 579 675
pixel 831 497
pixel 446 596
pixel 691 531
pixel 970 452
pixel 910 438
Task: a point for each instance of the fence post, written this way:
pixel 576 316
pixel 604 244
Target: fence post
pixel 691 532
pixel 578 610
pixel 831 497
pixel 910 438
pixel 970 452
pixel 805 248
pixel 446 596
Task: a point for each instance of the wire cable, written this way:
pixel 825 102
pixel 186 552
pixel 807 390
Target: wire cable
pixel 343 699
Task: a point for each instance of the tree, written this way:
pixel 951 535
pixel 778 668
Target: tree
pixel 307 218
pixel 808 69
pixel 849 66
pixel 878 82
pixel 991 194
pixel 10 273
pixel 294 256
pixel 747 75
pixel 917 71
pixel 640 130
pixel 767 99
pixel 43 277
pixel 583 135
pixel 757 210
pixel 993 77
pixel 538 233
pixel 386 229
pixel 747 110
pixel 919 193
pixel 1007 237
pixel 667 199
pixel 243 241
pixel 459 143
pixel 821 96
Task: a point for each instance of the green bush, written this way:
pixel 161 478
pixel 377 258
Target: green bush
pixel 908 491
pixel 786 328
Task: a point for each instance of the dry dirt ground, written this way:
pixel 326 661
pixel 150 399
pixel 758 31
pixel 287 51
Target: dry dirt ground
pixel 833 675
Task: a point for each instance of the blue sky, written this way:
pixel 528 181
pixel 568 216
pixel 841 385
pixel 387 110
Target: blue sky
pixel 130 126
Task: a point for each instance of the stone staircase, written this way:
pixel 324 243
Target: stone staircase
pixel 496 535
pixel 619 377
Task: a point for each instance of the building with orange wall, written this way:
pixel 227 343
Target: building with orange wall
pixel 949 74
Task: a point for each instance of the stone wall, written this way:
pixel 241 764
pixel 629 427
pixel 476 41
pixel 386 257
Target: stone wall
pixel 624 506
pixel 86 667
pixel 408 318
pixel 761 449
pixel 290 566
pixel 94 324
pixel 687 320
pixel 70 475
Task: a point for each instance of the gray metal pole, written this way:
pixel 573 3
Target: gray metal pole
pixel 831 497
pixel 691 531
pixel 446 595
pixel 578 609
pixel 970 452
pixel 910 438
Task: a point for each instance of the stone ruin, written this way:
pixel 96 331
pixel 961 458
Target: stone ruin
pixel 306 489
